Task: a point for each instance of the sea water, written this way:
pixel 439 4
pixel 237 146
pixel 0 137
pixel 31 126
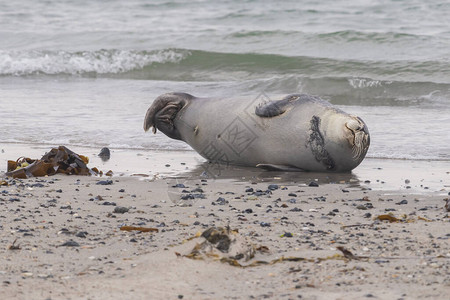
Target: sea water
pixel 83 73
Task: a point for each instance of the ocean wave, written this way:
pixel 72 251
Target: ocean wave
pixel 343 82
pixel 197 65
pixel 349 36
pixel 24 63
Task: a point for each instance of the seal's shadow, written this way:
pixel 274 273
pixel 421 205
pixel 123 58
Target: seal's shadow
pixel 215 171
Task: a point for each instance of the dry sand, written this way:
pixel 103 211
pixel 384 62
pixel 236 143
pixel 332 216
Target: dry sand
pixel 61 236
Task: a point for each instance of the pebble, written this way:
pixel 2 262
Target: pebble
pixel 81 234
pixel 296 209
pixel 273 187
pixel 37 185
pixel 120 210
pixel 313 183
pixel 220 201
pixel 404 201
pixel 70 244
pixel 105 182
pixel 105 154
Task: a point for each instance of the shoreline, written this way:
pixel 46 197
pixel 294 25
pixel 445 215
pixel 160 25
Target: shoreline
pixel 423 176
pixel 61 234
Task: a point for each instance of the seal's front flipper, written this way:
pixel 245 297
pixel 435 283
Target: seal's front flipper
pixel 275 108
pixel 163 111
pixel 270 167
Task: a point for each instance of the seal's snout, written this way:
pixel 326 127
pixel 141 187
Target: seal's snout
pixel 359 139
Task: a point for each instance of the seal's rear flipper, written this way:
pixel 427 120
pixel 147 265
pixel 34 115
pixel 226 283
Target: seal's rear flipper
pixel 163 111
pixel 270 167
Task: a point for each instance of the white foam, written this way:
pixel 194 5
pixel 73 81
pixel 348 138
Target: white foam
pixel 20 63
pixel 360 83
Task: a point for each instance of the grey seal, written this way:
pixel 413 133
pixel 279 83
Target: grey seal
pixel 299 132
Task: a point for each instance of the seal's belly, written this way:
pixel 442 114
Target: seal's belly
pixel 239 138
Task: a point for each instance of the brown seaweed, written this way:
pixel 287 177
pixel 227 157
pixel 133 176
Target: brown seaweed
pixel 141 229
pixel 57 160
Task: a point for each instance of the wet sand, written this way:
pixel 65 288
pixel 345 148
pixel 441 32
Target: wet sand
pixel 61 236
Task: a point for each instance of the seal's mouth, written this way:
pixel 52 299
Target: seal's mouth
pixel 360 139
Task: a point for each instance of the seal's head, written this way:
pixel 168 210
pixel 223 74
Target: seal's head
pixel 337 140
pixel 163 111
pixel 346 140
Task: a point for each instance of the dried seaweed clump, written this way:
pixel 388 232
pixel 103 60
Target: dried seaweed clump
pixel 57 160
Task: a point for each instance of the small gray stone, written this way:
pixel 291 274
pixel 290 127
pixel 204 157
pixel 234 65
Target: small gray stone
pixel 120 210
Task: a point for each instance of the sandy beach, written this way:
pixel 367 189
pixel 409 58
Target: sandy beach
pixel 62 239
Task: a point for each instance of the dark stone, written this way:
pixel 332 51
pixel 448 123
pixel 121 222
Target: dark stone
pixel 296 209
pixel 105 182
pixel 120 210
pixel 81 234
pixel 70 244
pixel 37 185
pixel 273 187
pixel 187 197
pixel 313 183
pixel 221 201
pixel 105 154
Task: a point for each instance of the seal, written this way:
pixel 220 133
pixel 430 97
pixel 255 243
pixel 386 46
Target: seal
pixel 299 132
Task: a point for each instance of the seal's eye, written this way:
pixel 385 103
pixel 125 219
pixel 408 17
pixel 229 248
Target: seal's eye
pixel 292 98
